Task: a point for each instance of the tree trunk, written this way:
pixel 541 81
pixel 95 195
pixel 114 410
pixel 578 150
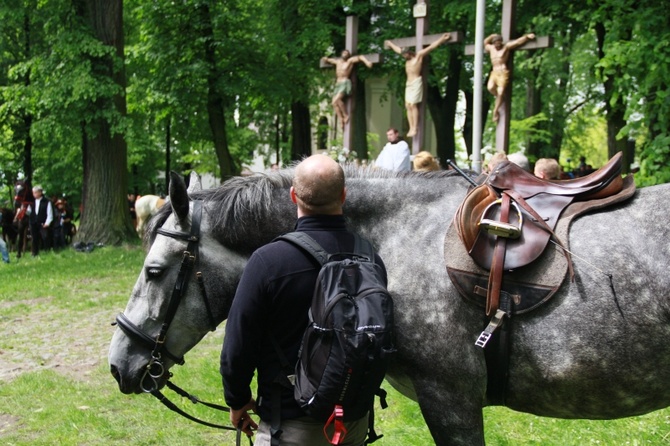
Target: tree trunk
pixel 443 110
pixel 215 100
pixel 615 112
pixel 105 217
pixel 27 118
pixel 359 122
pixel 301 131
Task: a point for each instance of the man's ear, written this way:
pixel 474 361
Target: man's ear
pixel 344 195
pixel 294 197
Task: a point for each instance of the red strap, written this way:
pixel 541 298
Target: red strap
pixel 336 418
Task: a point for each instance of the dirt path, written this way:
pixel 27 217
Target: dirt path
pixel 44 339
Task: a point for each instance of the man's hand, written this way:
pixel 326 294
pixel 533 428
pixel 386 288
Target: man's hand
pixel 240 418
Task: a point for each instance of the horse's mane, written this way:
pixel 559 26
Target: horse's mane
pixel 241 208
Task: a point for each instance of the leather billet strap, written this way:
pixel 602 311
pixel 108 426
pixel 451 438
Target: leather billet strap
pixel 497 266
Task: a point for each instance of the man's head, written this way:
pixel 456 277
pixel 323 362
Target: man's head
pixel 520 160
pixel 548 169
pixel 392 135
pixel 496 159
pixel 497 41
pixel 318 186
pixel 407 53
pixel 38 191
pixel 346 54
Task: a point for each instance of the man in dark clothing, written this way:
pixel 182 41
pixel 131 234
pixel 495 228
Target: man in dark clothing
pixel 41 217
pixel 273 299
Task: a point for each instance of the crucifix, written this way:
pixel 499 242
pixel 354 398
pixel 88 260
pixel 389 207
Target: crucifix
pixel 346 78
pixel 501 47
pixel 417 71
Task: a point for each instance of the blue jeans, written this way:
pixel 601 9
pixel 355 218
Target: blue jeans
pixel 3 251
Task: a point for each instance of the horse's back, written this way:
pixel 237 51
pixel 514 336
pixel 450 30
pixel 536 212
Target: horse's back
pixel 598 349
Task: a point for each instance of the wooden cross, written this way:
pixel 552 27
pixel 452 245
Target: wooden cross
pixel 351 44
pixel 507 30
pixel 420 13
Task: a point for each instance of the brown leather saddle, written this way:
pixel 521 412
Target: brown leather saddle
pixel 508 222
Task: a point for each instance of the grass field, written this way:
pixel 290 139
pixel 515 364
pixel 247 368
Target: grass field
pixel 56 389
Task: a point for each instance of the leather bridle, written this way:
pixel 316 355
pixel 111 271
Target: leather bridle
pixel 155 369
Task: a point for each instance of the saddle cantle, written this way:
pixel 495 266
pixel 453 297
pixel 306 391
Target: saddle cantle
pixel 505 227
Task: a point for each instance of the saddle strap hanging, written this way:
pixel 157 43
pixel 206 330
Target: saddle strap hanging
pixel 497 265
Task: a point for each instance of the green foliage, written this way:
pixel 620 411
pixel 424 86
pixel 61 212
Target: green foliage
pixel 525 130
pixel 55 80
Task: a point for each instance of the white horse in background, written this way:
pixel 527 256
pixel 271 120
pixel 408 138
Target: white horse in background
pixel 146 207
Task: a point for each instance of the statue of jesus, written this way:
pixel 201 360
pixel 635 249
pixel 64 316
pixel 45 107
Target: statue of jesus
pixel 499 77
pixel 343 68
pixel 414 85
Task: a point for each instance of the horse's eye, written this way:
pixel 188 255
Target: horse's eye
pixel 154 272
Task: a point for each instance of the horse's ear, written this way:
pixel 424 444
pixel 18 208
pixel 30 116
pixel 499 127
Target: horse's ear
pixel 178 196
pixel 194 182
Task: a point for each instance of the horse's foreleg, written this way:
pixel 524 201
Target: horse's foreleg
pixel 453 414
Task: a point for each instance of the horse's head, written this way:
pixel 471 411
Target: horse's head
pixel 184 290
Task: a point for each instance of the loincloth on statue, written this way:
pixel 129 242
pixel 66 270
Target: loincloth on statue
pixel 532 285
pixel 343 87
pixel 414 91
pixel 499 78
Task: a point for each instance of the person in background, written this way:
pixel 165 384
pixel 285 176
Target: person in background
pixel 520 160
pixel 496 159
pixel 547 169
pixel 58 230
pixel 3 247
pixel 425 162
pixel 41 217
pixel 395 154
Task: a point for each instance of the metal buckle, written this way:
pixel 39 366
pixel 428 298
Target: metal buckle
pixel 483 339
pixel 499 228
pixel 496 321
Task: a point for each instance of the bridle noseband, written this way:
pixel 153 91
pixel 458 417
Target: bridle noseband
pixel 155 369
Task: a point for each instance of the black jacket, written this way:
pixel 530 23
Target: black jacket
pixel 273 299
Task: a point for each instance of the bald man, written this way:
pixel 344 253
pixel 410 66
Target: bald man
pixel 272 301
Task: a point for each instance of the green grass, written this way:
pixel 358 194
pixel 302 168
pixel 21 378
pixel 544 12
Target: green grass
pixel 56 389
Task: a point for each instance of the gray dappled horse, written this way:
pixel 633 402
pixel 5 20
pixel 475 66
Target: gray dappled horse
pixel 584 354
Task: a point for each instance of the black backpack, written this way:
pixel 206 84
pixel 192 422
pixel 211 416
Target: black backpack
pixel 347 345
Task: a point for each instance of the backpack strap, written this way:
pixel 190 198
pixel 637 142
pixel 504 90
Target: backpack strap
pixel 362 247
pixel 307 244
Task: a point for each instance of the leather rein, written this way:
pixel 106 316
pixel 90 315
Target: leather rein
pixel 155 369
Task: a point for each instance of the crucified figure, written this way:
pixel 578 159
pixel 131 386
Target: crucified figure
pixel 499 77
pixel 343 68
pixel 414 85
